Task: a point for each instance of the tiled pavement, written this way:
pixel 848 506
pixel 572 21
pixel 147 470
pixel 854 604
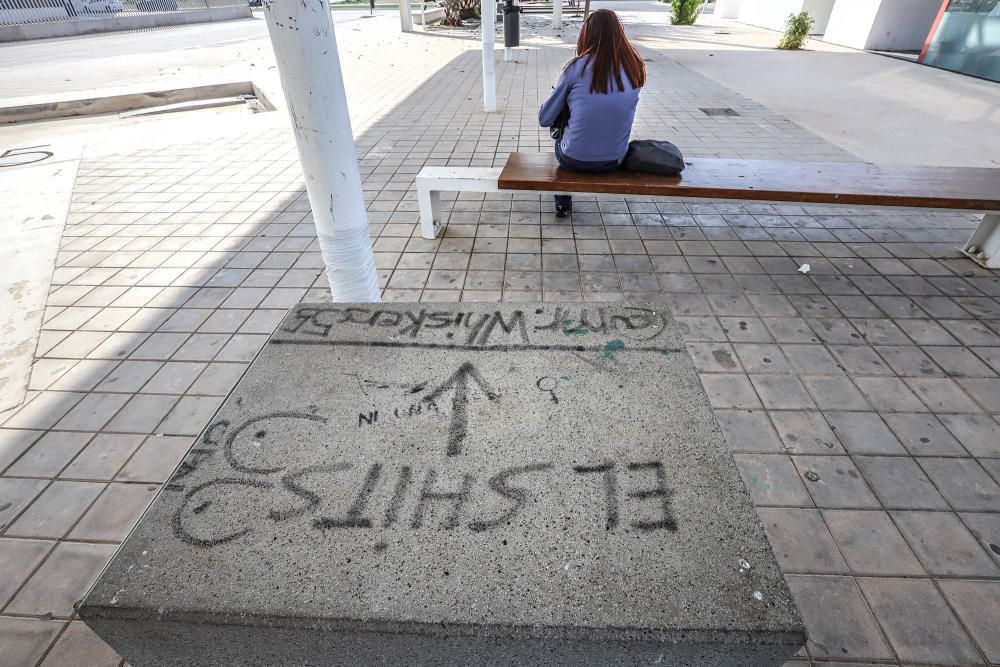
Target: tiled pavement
pixel 861 399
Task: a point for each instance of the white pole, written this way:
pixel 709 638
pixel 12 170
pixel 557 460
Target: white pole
pixel 405 16
pixel 508 54
pixel 557 14
pixel 489 12
pixel 305 48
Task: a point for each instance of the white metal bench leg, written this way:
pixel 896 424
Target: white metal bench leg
pixel 429 202
pixel 984 245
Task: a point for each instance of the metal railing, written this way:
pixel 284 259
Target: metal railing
pixel 19 12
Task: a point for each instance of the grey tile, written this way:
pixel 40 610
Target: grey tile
pixel 762 358
pixel 218 379
pixel 50 454
pixel 834 392
pixel 155 459
pixel 13 443
pixel 985 391
pixel 944 545
pixel 713 357
pixel 129 376
pixel 871 544
pixel 864 433
pixel 142 414
pixel 80 645
pixel 979 434
pixel 92 412
pixel 924 435
pixel 114 513
pixel 772 480
pixel 190 414
pixel 840 624
pixel 20 558
pixel 61 580
pixel 103 457
pixel 806 433
pixel 985 527
pixel 964 483
pixel 942 395
pixel 837 482
pixel 889 394
pixel 173 377
pixel 727 390
pixel 55 511
pixel 748 431
pixel 900 483
pixel 781 392
pixel 801 541
pixel 23 641
pixel 977 604
pixel 918 622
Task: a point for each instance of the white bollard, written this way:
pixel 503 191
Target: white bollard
pixel 405 16
pixel 508 54
pixel 556 14
pixel 305 49
pixel 489 13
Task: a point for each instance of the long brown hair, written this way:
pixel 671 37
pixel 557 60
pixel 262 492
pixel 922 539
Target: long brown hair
pixel 608 51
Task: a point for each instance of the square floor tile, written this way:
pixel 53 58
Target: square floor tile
pixel 923 434
pixel 964 483
pixel 19 558
pixel 834 481
pixel 55 511
pixel 772 480
pixel 864 433
pixel 944 545
pixel 155 459
pixel 62 580
pixel 801 542
pixel 900 483
pixel 806 433
pixel 103 457
pixel 81 646
pixel 871 544
pixel 781 392
pixel 50 454
pixel 728 390
pixel 114 513
pixel 979 434
pixel 23 641
pixel 918 622
pixel 978 606
pixel 748 431
pixel 840 624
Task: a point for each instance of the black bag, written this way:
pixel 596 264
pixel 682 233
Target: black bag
pixel 653 157
pixel 559 124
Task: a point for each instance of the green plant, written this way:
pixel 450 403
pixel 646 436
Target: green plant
pixel 797 30
pixel 684 12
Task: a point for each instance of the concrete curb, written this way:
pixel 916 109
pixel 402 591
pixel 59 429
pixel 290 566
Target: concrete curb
pixel 69 28
pixel 127 101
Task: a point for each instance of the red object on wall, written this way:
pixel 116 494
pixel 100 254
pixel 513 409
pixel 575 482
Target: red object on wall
pixel 930 35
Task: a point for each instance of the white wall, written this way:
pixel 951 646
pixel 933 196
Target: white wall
pixel 727 9
pixel 883 25
pixel 773 13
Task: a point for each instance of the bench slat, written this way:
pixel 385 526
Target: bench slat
pixel 967 188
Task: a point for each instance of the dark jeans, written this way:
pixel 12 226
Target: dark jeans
pixel 566 201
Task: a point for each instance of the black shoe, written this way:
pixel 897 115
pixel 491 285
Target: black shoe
pixel 563 211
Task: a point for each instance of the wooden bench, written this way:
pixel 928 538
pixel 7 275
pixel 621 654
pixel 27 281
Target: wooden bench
pixel 855 184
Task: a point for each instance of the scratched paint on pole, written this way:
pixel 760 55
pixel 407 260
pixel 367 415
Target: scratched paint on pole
pixel 305 49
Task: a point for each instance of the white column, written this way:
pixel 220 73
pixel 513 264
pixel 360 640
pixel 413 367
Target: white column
pixel 405 16
pixel 305 49
pixel 489 13
pixel 557 14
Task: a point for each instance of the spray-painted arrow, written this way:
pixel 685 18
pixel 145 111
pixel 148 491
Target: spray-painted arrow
pixel 460 403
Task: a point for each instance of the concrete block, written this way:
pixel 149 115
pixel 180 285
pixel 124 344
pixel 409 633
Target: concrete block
pixel 455 484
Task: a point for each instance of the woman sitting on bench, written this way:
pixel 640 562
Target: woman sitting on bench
pixel 598 90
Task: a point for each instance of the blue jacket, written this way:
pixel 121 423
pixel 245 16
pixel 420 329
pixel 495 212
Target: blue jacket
pixel 599 125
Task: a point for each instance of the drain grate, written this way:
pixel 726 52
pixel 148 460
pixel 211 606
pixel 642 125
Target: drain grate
pixel 719 111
